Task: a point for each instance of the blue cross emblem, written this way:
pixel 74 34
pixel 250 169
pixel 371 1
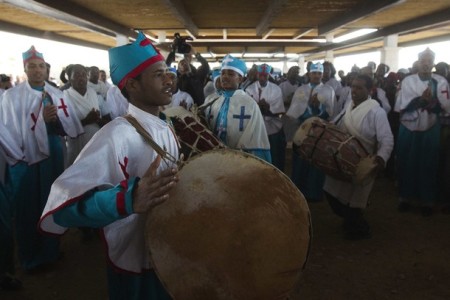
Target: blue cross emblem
pixel 242 116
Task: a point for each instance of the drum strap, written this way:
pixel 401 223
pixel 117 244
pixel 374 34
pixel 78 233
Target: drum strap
pixel 149 140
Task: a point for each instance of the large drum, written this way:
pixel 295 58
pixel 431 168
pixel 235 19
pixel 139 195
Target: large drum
pixel 234 227
pixel 335 152
pixel 194 137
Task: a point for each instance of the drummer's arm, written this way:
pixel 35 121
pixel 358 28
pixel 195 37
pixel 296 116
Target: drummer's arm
pixel 99 208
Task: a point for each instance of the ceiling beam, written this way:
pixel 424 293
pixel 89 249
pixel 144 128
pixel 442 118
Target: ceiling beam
pixel 418 23
pixel 302 33
pixel 41 34
pixel 178 10
pixel 73 14
pixel 268 34
pixel 370 8
pixel 252 43
pixel 272 11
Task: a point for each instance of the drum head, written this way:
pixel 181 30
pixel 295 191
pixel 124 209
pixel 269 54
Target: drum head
pixel 234 227
pixel 302 132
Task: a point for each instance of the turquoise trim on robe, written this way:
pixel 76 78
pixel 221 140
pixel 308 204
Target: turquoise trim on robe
pixel 220 129
pixel 97 209
pixel 261 153
pixel 31 187
pixel 308 179
pixel 418 160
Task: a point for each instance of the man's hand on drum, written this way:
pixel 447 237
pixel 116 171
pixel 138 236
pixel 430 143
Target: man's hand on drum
pixel 153 189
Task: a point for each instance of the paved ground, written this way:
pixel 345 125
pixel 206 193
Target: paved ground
pixel 408 257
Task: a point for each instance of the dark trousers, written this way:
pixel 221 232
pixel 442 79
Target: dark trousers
pixel 354 221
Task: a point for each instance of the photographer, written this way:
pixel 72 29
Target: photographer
pixel 190 79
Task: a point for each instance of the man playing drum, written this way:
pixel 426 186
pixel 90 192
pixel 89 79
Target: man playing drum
pixel 118 177
pixel 365 119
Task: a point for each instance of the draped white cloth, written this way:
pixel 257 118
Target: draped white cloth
pixel 273 95
pixel 368 123
pixel 82 105
pixel 118 104
pixel 22 115
pixel 412 87
pixel 116 153
pixel 252 134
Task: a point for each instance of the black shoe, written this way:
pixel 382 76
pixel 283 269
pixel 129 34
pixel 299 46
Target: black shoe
pixel 10 283
pixel 426 211
pixel 403 207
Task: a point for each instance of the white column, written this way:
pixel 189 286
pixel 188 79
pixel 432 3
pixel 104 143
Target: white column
pixel 329 55
pixel 121 40
pixel 162 36
pixel 301 64
pixel 285 67
pixel 390 51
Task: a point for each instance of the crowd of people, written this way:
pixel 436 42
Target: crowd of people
pixel 71 156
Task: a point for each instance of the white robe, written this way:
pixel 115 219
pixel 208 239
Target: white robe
pixel 372 125
pixel 179 97
pixel 412 87
pixel 253 134
pixel 299 105
pixel 288 89
pixel 99 166
pixel 118 104
pixel 22 115
pixel 82 104
pixel 272 94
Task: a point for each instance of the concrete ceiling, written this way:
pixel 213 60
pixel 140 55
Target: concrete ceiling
pixel 253 27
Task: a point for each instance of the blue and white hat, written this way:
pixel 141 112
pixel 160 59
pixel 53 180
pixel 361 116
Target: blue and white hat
pixel 172 70
pixel 231 63
pixel 316 67
pixel 130 60
pixel 215 74
pixel 32 53
pixel 264 69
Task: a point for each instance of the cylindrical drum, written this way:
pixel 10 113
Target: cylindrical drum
pixel 334 151
pixel 194 137
pixel 234 227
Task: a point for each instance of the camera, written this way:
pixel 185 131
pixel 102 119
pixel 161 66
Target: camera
pixel 179 44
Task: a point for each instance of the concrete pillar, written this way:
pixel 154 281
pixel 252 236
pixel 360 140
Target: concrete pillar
pixel 162 36
pixel 121 40
pixel 329 55
pixel 301 64
pixel 390 52
pixel 285 67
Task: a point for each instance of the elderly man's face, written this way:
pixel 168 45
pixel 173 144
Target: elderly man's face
pixel 426 63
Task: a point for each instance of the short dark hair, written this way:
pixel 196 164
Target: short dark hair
pixel 69 69
pixel 124 89
pixel 366 79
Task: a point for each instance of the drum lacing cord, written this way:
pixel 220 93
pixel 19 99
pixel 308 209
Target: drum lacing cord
pixel 166 156
pixel 338 150
pixel 316 142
